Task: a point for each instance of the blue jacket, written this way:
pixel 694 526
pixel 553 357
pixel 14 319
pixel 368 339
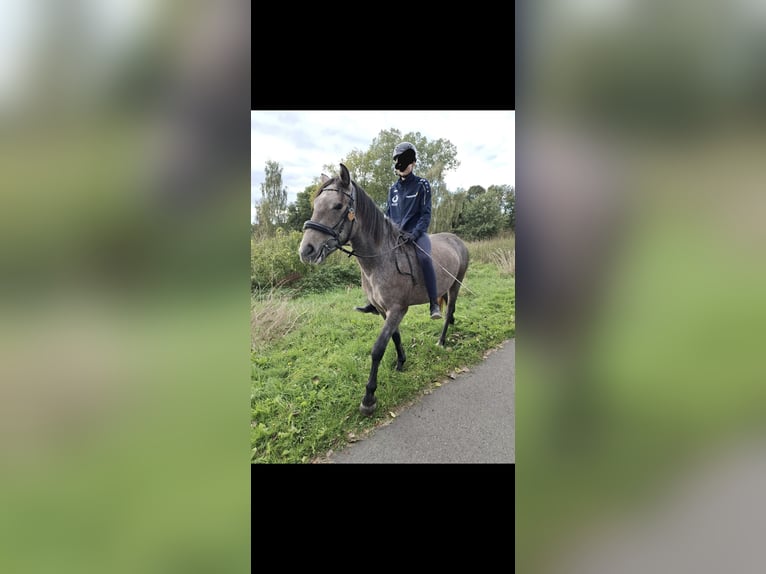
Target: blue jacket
pixel 409 204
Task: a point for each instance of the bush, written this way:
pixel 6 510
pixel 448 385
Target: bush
pixel 481 217
pixel 274 262
pixel 274 259
pixel 331 275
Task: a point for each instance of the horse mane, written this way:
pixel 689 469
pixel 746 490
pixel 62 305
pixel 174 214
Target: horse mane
pixel 377 224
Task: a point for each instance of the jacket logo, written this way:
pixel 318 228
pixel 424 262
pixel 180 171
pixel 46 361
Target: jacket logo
pixel 395 199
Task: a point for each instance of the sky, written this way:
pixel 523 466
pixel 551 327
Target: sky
pixel 302 142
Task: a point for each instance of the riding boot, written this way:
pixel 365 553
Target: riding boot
pixel 369 308
pixel 435 310
pixel 430 277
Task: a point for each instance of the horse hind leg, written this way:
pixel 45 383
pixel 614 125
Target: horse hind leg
pixel 449 318
pixel 442 300
pixel 400 355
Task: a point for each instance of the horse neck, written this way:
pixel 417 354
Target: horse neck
pixel 371 254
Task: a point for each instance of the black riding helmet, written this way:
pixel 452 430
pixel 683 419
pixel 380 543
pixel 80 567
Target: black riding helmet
pixel 404 154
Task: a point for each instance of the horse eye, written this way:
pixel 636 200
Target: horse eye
pixel 337 206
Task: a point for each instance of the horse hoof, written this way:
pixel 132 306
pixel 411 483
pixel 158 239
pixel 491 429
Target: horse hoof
pixel 369 308
pixel 367 411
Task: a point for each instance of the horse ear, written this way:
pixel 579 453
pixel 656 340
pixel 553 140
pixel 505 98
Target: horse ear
pixel 345 177
pixel 324 179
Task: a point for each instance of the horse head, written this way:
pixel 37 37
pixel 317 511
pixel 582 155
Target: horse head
pixel 332 221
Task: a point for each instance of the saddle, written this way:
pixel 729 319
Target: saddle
pixel 403 255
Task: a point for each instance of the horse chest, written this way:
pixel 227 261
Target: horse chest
pixel 375 294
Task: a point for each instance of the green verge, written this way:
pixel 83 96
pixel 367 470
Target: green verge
pixel 307 384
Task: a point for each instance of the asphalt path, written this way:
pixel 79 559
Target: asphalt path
pixel 466 420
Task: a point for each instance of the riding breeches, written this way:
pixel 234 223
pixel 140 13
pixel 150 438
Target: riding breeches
pixel 424 243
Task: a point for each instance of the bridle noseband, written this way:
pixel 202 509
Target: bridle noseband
pixel 336 230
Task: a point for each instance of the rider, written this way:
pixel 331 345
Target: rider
pixel 409 207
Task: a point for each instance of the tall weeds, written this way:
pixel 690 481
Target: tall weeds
pixel 505 260
pixel 500 251
pixel 272 316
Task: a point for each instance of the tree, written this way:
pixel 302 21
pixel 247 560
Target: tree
pixel 374 169
pixel 300 211
pixel 482 215
pixel 475 191
pixel 507 195
pixel 446 211
pixel 272 209
pixel 510 207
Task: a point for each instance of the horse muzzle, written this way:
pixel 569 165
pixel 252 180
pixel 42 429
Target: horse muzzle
pixel 316 255
pixel 309 253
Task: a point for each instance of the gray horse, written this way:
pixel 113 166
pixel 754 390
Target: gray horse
pixel 391 276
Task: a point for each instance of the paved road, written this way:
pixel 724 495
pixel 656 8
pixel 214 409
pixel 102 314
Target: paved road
pixel 467 420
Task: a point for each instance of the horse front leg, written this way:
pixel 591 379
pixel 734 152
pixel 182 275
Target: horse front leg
pixel 391 326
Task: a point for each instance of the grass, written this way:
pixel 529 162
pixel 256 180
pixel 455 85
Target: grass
pixel 308 374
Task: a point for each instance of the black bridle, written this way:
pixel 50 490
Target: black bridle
pixel 336 230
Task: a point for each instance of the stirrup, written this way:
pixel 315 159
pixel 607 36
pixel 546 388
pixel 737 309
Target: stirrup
pixel 435 311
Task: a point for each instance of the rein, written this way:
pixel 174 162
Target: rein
pixel 443 269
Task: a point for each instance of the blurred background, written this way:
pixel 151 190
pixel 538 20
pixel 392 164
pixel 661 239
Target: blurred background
pixel 124 154
pixel 641 384
pixel 124 363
